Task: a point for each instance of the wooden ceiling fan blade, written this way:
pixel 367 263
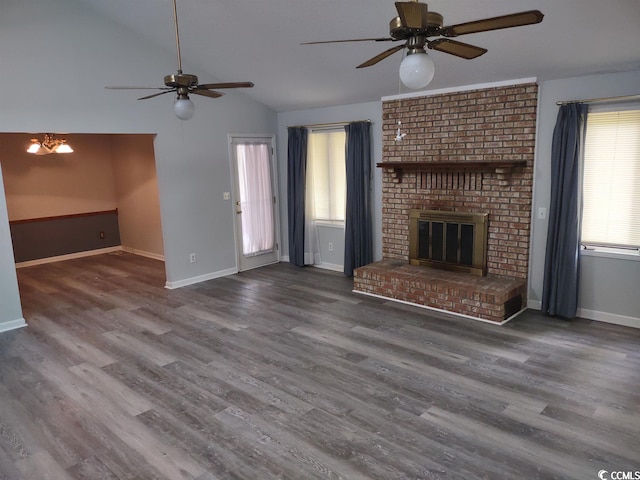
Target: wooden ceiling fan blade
pixel 208 86
pixel 529 17
pixel 157 94
pixel 385 39
pixel 381 56
pixel 207 93
pixel 413 14
pixel 459 49
pixel 136 88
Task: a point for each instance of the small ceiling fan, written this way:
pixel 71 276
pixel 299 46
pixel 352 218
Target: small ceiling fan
pixel 183 83
pixel 415 25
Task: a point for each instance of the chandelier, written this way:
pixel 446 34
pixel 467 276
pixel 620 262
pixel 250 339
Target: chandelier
pixel 49 145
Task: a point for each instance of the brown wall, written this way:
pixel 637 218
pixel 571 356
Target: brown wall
pixel 51 185
pixel 489 125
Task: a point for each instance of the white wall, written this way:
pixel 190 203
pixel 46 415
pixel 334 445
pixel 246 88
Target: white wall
pixel 136 187
pixel 10 308
pixel 608 286
pixel 65 54
pixel 347 113
pixel 332 246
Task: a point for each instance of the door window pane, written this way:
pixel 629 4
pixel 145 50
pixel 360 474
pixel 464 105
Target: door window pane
pixel 256 198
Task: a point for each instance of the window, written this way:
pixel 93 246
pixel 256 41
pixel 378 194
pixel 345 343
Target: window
pixel 326 175
pixel 611 179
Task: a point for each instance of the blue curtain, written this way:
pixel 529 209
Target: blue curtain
pixel 296 188
pixel 358 249
pixel 561 269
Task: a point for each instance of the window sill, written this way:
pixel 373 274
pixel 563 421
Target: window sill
pixel 617 254
pixel 329 223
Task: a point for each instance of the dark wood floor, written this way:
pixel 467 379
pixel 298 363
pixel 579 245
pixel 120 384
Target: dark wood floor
pixel 283 373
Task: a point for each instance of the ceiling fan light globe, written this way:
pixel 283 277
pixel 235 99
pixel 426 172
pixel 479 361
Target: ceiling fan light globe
pixel 417 70
pixel 184 108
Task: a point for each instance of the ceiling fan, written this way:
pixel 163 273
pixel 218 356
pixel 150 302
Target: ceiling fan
pixel 415 25
pixel 183 83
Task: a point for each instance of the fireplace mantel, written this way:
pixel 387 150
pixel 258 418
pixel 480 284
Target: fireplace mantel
pixel 502 166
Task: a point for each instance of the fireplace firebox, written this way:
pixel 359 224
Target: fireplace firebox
pixel 449 240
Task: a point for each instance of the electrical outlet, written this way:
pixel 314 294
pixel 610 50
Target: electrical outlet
pixel 542 213
pixel 192 257
pixel 101 235
pixel 226 195
pixel 330 247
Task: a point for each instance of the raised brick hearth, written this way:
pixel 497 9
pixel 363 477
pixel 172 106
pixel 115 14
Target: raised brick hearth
pixel 487 298
pixel 469 151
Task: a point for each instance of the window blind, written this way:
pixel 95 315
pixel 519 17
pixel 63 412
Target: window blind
pixel 326 170
pixel 611 179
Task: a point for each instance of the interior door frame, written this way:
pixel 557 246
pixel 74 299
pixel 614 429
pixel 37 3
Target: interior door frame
pixel 271 140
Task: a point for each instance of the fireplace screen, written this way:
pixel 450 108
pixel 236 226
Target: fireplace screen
pixel 449 240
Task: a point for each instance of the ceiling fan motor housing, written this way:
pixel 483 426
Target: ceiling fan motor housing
pixel 398 31
pixel 181 80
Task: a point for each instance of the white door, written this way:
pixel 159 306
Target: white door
pixel 255 200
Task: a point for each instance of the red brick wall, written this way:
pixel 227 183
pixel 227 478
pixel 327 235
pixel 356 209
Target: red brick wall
pixel 493 125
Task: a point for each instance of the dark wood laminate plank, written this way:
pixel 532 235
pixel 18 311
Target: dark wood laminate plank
pixel 53 428
pixel 563 436
pixel 133 403
pixel 282 372
pixel 82 349
pixel 507 467
pixel 362 451
pixel 115 427
pixel 296 458
pixel 418 368
pixel 562 465
pixel 135 345
pixel 92 468
pixel 220 450
pixel 452 457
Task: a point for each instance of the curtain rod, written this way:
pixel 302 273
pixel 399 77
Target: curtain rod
pixel 598 100
pixel 334 124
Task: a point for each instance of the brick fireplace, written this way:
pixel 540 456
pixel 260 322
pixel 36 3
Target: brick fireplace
pixel 469 151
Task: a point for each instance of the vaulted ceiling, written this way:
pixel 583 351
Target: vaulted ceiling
pixel 259 41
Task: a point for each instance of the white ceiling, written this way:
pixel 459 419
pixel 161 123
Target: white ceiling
pixel 259 41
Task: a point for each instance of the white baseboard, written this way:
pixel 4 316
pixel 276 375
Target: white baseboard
pixel 330 266
pixel 596 315
pixel 143 253
pixel 71 256
pixel 439 310
pixel 12 325
pixel 326 266
pixel 609 318
pixel 200 278
pixel 534 304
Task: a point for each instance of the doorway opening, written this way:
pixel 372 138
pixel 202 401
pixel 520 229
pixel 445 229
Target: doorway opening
pixel 102 198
